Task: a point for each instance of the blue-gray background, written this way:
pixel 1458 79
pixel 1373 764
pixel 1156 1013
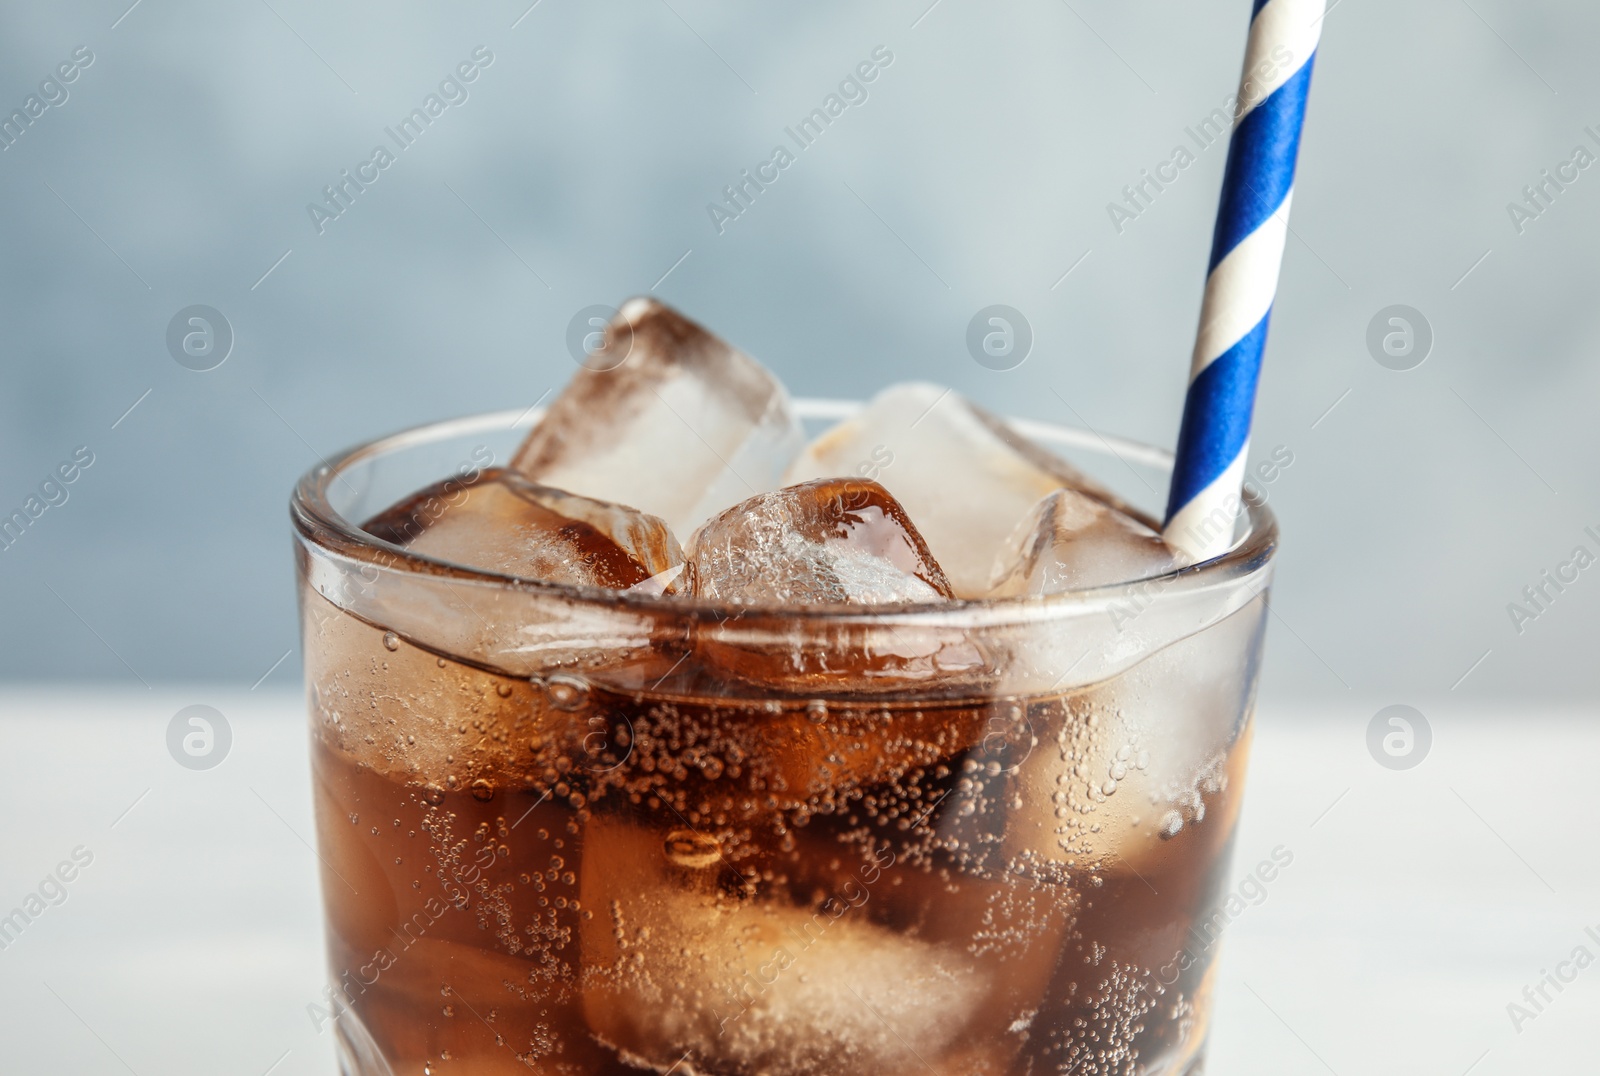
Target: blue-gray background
pixel 180 168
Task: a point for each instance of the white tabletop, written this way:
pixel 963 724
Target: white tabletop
pixel 1417 907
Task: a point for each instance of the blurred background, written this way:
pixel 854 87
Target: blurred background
pixel 180 164
pixel 177 156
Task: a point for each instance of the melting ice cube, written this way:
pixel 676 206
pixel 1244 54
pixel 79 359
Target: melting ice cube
pixel 504 523
pixel 963 475
pixel 683 428
pixel 834 541
pixel 681 972
pixel 1071 541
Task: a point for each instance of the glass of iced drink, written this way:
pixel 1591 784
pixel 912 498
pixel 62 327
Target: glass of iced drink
pixel 919 752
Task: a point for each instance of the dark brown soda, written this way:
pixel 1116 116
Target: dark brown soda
pixel 551 875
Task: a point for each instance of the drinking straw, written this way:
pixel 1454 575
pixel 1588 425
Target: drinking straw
pixel 1246 255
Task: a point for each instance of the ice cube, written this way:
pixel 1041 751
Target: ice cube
pixel 838 542
pixel 683 428
pixel 832 541
pixel 505 523
pixel 682 972
pixel 962 473
pixel 1071 541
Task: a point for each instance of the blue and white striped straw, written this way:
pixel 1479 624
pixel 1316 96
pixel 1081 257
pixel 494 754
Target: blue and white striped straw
pixel 1246 254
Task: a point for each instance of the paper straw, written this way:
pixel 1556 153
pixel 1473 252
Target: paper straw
pixel 1246 254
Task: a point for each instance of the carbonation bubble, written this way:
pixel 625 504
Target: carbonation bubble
pixel 433 795
pixel 391 641
pixel 567 692
pixel 816 711
pixel 1171 825
pixel 691 850
pixel 482 790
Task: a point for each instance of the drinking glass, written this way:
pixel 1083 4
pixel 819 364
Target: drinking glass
pixel 570 830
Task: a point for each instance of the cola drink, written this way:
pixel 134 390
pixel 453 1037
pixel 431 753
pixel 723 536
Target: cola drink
pixel 649 878
pixel 790 799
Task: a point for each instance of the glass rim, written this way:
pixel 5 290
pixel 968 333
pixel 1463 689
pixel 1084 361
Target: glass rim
pixel 318 523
